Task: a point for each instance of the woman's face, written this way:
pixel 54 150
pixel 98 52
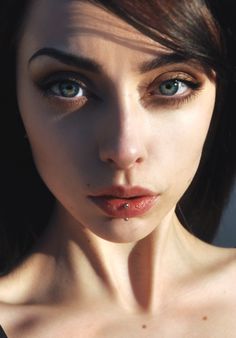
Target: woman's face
pixel 107 109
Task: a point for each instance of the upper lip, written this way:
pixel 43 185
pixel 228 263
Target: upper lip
pixel 124 192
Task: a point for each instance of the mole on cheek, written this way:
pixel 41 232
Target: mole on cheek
pixel 204 318
pixel 144 326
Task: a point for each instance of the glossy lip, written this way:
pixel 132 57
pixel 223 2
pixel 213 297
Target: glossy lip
pixel 113 200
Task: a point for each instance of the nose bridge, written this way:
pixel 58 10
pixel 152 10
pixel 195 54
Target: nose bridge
pixel 123 144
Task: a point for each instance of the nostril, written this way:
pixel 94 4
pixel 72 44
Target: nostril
pixel 110 160
pixel 122 156
pixel 139 160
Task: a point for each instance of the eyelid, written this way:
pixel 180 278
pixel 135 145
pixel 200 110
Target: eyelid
pixel 149 100
pixel 181 76
pixel 44 82
pixel 168 76
pixel 59 77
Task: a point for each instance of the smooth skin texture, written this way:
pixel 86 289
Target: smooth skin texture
pixel 113 123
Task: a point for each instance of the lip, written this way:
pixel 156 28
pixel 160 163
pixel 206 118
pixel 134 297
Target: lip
pixel 113 200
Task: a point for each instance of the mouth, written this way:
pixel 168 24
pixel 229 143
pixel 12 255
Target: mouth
pixel 120 202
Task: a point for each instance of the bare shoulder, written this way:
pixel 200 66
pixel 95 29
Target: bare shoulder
pixel 224 275
pixel 214 296
pixel 204 306
pixel 218 271
pixel 8 291
pixel 222 264
pixel 13 300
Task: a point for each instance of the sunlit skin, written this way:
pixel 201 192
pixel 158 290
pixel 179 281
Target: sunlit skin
pixel 119 134
pixel 127 121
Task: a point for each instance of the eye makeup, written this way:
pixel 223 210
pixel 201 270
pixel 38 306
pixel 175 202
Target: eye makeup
pixel 46 82
pixel 171 89
pixel 64 88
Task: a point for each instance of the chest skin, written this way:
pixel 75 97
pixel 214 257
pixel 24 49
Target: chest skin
pixel 179 322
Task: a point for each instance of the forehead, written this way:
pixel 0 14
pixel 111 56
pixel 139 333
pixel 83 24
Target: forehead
pixel 68 23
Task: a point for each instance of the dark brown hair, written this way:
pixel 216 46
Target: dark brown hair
pixel 194 29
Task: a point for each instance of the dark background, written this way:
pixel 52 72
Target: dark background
pixel 226 235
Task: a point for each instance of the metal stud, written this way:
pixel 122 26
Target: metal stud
pixel 126 219
pixel 126 205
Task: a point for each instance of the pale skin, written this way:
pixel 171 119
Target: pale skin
pixel 92 275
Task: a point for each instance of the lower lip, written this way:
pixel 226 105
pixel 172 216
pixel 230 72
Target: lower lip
pixel 115 207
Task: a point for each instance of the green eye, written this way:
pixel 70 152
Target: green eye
pixel 172 87
pixel 67 89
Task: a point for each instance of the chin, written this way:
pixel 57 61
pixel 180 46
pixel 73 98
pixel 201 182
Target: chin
pixel 118 230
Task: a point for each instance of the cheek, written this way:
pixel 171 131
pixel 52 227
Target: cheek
pixel 61 147
pixel 194 129
pixel 179 140
pixel 61 153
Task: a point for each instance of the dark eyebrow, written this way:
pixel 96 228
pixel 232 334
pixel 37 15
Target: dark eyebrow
pixel 160 61
pixel 68 59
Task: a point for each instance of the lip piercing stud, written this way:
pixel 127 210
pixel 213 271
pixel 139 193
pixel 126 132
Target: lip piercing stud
pixel 126 219
pixel 126 205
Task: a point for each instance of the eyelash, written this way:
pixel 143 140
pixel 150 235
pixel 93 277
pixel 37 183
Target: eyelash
pixel 46 85
pixel 149 100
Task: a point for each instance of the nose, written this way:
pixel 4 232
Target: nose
pixel 123 143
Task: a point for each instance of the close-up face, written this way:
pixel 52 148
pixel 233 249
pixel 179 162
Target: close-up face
pixel 106 108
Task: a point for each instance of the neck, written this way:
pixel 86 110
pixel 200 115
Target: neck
pixel 131 274
pixel 82 267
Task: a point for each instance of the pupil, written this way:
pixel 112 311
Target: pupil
pixel 169 88
pixel 69 89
